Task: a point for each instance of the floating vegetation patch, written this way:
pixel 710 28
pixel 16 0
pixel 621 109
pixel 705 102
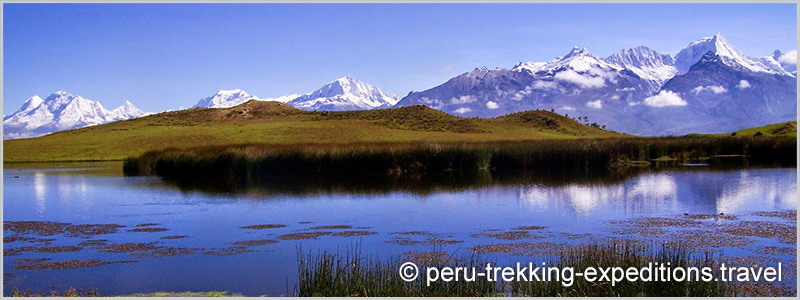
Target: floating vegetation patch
pixel 93 242
pixel 30 239
pixel 521 249
pixel 146 224
pixel 349 233
pixel 790 215
pixel 332 227
pixel 173 237
pixel 510 235
pixel 148 229
pixel 709 217
pixel 227 251
pixel 304 235
pixel 533 227
pixel 412 233
pixel 44 228
pixel 47 249
pixel 576 236
pixel 433 241
pixel 91 229
pixel 649 231
pixel 127 247
pixel 264 226
pixel 659 222
pixel 11 251
pixel 166 251
pixel 773 250
pixel 785 234
pixel 46 263
pixel 35 227
pixel 251 243
pixel 68 293
pixel 702 239
pixel 430 258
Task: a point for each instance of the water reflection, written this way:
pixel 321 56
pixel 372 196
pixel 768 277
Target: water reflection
pixel 729 192
pixel 40 188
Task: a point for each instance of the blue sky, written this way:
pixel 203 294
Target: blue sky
pixel 166 56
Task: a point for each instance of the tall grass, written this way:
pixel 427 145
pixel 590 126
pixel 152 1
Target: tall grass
pixel 333 274
pixel 232 166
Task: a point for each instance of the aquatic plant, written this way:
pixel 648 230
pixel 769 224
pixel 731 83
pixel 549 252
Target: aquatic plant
pixel 354 274
pixel 364 165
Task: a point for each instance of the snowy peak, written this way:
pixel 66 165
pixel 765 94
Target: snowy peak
pixel 31 103
pixel 640 57
pixel 126 111
pixel 645 63
pixel 578 60
pixel 787 61
pixel 577 51
pixel 345 93
pixel 61 111
pixel 225 98
pixel 282 99
pixel 718 45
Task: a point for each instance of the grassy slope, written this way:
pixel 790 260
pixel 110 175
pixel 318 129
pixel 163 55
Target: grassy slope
pixel 279 124
pixel 779 129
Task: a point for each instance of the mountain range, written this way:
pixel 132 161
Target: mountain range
pixel 709 87
pixel 62 111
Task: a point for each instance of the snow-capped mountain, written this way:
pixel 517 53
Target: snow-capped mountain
pixel 61 111
pixel 577 84
pixel 715 97
pixel 646 63
pixel 578 60
pixel 225 98
pixel 231 98
pixel 787 61
pixel 126 111
pixel 637 90
pixel 282 99
pixel 345 93
pixel 718 45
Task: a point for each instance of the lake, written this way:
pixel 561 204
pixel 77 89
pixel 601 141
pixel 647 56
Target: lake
pixel 179 238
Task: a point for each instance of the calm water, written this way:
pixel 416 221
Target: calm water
pixel 97 193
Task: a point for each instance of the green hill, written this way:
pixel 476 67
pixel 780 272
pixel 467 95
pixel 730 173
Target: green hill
pixel 274 123
pixel 780 129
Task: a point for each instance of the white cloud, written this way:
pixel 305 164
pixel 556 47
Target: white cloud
pixel 463 99
pixel 712 88
pixel 568 108
pixel 463 110
pixel 608 75
pixel 789 58
pixel 492 105
pixel 596 104
pixel 431 102
pixel 521 94
pixel 743 84
pixel 581 80
pixel 627 89
pixel 544 85
pixel 664 98
pixel 615 97
pixel 635 103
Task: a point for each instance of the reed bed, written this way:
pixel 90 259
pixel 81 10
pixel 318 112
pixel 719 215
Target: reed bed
pixel 352 274
pixel 243 165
